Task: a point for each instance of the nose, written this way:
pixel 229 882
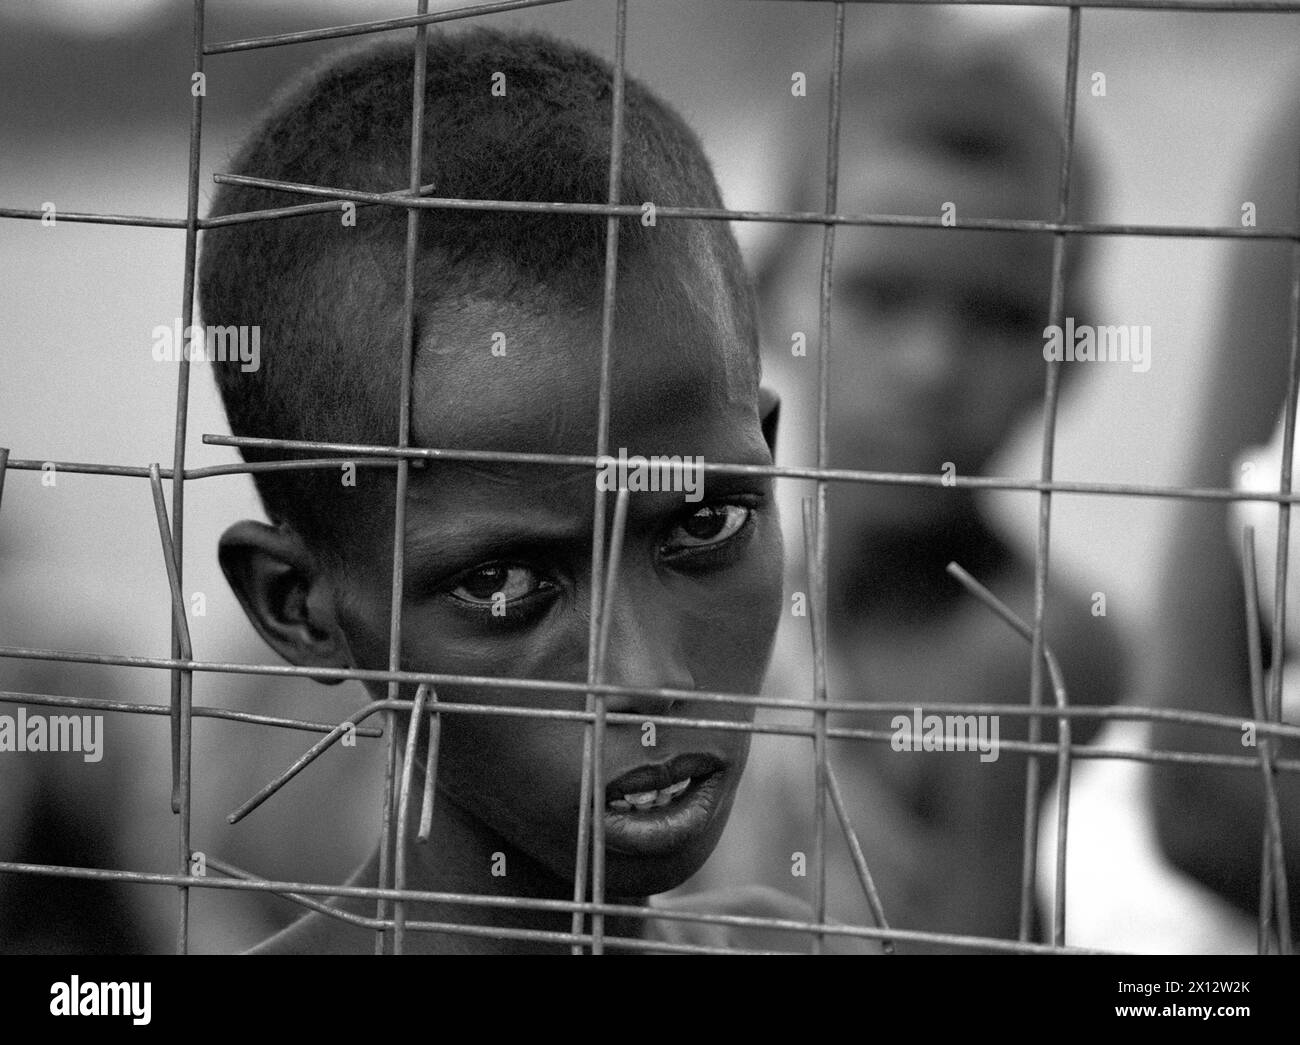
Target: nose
pixel 645 651
pixel 927 352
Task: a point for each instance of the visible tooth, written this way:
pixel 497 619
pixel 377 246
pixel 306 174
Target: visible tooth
pixel 618 805
pixel 642 798
pixel 679 787
pixel 663 799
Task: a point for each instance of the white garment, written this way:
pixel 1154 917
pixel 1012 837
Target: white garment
pixel 1258 469
pixel 1121 893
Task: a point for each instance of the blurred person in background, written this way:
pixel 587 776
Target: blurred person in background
pixel 937 352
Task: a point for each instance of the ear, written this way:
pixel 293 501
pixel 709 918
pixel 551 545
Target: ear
pixel 769 414
pixel 286 596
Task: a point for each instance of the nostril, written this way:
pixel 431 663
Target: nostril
pixel 655 670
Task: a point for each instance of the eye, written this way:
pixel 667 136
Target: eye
pixel 497 581
pixel 712 525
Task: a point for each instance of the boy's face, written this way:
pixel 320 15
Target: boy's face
pixel 937 335
pixel 698 589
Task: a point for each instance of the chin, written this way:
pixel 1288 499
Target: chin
pixel 633 877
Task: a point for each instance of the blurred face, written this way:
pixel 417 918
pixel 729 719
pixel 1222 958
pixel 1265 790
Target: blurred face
pixel 498 571
pixel 936 335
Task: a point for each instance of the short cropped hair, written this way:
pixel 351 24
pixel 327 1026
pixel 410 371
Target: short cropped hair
pixel 329 298
pixel 950 98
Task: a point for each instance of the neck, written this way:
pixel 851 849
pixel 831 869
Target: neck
pixel 460 857
pixel 898 574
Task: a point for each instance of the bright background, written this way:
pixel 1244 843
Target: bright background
pixel 94 115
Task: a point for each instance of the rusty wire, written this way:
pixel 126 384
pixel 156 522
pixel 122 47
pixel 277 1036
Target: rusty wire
pixel 397 798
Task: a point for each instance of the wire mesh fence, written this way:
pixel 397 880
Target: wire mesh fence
pixel 408 797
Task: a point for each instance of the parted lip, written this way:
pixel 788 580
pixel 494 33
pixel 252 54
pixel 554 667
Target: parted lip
pixel 660 775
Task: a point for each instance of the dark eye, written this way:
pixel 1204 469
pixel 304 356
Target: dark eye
pixel 497 582
pixel 713 524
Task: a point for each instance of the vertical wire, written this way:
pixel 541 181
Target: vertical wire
pixel 617 531
pixel 1064 779
pixel 430 770
pixel 182 681
pixel 1274 708
pixel 859 858
pixel 4 465
pixel 1064 761
pixel 173 567
pixel 403 465
pixel 386 822
pixel 1029 863
pixel 816 624
pixel 403 814
pixel 819 565
pixel 1259 708
pixel 591 828
pixel 181 628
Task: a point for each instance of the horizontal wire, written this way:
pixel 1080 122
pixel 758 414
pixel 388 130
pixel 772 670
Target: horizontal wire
pixel 126 471
pixel 217 222
pixel 363 28
pixel 91 218
pixel 773 471
pixel 320 747
pixel 537 904
pixel 388 24
pixel 635 210
pixel 594 715
pixel 1209 6
pixel 386 456
pixel 286 466
pixel 1104 712
pixel 503 932
pixel 298 210
pixel 339 196
pixel 199 711
pixel 493 932
pixel 186 662
pixel 337 913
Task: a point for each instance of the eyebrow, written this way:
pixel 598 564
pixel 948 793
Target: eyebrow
pixel 477 534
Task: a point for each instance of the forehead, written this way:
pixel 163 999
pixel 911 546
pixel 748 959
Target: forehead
pixel 681 384
pixel 898 178
pixel 892 177
pixel 492 374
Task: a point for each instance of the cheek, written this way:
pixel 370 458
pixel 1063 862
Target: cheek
pixel 1008 384
pixel 488 754
pixel 363 616
pixel 519 777
pixel 438 639
pixel 532 761
pixel 732 640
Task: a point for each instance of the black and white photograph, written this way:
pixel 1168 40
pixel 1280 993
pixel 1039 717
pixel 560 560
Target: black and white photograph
pixel 597 477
